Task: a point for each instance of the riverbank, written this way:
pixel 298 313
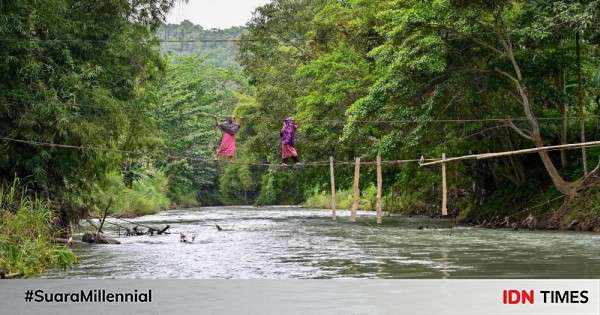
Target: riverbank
pixel 27 230
pixel 29 225
pixel 545 210
pixel 148 194
pixel 514 209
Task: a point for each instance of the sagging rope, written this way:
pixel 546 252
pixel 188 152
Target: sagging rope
pixel 422 161
pixel 313 163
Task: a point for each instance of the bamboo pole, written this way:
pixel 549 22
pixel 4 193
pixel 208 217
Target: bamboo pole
pixel 331 171
pixel 379 188
pixel 356 190
pixel 444 188
pixel 516 152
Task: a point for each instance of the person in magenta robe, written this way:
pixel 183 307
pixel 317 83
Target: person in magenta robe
pixel 288 136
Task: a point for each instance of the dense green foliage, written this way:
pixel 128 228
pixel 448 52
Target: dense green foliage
pixel 192 93
pixel 146 195
pixel 26 232
pixel 396 77
pixel 139 125
pixel 76 73
pixel 209 44
pixel 93 107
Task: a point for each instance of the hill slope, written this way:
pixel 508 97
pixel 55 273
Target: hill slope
pixel 218 53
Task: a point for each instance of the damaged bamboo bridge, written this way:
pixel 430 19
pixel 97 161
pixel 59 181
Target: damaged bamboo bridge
pixel 358 162
pixel 428 162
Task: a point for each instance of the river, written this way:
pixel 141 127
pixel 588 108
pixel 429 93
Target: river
pixel 289 242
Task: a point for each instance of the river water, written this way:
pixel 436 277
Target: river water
pixel 287 242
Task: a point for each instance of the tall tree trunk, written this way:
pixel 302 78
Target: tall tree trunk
pixel 565 187
pixel 565 115
pixel 581 105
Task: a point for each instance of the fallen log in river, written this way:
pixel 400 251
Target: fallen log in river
pixel 151 230
pixel 13 275
pixel 134 231
pixel 97 238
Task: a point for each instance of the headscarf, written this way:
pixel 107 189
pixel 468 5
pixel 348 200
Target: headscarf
pixel 288 132
pixel 229 126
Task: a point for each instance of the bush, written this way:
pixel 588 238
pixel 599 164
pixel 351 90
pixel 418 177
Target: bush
pixel 26 232
pixel 182 196
pixel 319 200
pixel 368 197
pixel 267 193
pixel 408 203
pixel 147 195
pixel 237 185
pixel 343 198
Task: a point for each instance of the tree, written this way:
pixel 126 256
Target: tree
pixel 192 95
pixel 75 73
pixel 434 42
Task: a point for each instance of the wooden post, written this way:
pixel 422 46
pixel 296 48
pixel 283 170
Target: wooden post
pixel 379 188
pixel 332 173
pixel 444 188
pixel 356 190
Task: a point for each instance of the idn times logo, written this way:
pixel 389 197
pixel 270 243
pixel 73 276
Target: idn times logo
pixel 514 296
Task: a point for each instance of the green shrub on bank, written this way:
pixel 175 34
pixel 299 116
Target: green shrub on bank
pixel 402 203
pixel 26 231
pixel 182 196
pixel 280 187
pixel 343 198
pixel 147 195
pixel 407 203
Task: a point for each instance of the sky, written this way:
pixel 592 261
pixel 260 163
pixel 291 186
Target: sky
pixel 215 13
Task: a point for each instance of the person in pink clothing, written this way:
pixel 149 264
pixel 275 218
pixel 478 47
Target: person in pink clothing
pixel 229 129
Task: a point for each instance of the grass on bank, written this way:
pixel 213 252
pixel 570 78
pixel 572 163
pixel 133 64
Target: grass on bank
pixel 343 198
pixel 399 203
pixel 147 195
pixel 546 204
pixel 27 227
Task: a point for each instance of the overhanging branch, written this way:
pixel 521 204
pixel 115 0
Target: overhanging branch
pixel 523 133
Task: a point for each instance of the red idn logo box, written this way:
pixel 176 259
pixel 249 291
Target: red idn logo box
pixel 513 296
